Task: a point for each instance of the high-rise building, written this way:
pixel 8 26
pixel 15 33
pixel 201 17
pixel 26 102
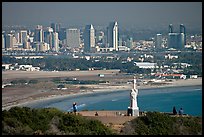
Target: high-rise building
pixel 55 41
pixel 22 36
pixel 89 38
pixel 39 35
pixel 112 35
pixel 26 43
pixel 3 41
pixel 158 41
pixel 17 36
pixel 120 42
pixel 130 42
pixel 100 37
pixel 176 40
pixel 41 46
pixel 62 34
pixel 73 37
pixel 48 36
pixel 170 28
pixel 183 30
pixel 9 41
pixel 56 27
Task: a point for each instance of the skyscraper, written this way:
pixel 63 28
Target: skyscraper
pixel 158 41
pixel 112 35
pixel 23 36
pixel 48 36
pixel 89 38
pixel 9 41
pixel 183 30
pixel 39 36
pixel 130 42
pixel 73 37
pixel 170 28
pixel 3 41
pixel 56 27
pixel 176 40
pixel 55 41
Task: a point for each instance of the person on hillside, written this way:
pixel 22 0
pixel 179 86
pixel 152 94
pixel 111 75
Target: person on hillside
pixel 74 107
pixel 181 111
pixel 96 114
pixel 174 110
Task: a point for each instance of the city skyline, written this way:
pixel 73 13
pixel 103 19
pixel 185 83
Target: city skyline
pixel 128 14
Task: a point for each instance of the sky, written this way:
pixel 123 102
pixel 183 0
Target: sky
pixel 138 14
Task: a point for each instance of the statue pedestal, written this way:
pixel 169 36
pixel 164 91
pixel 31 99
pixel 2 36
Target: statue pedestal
pixel 133 111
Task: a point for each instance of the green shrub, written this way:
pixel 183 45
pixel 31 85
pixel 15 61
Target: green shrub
pixel 156 123
pixel 25 121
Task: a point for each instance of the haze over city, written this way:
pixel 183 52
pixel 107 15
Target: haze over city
pixel 128 14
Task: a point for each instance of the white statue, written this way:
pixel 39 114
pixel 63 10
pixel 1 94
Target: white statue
pixel 133 99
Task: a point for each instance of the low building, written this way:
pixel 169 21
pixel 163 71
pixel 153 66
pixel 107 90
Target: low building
pixel 28 68
pixel 171 76
pixel 6 66
pixel 145 65
pixel 194 76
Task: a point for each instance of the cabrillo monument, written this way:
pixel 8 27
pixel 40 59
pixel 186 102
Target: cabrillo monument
pixel 133 109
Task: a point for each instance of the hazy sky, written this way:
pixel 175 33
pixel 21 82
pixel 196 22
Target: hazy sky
pixel 101 13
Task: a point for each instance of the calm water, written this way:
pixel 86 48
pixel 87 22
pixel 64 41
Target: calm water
pixel 160 99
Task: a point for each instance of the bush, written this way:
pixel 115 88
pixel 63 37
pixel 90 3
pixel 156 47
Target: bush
pixel 33 81
pixel 156 123
pixel 25 121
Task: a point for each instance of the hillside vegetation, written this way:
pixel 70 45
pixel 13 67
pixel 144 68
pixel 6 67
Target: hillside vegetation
pixel 155 123
pixel 51 121
pixel 48 121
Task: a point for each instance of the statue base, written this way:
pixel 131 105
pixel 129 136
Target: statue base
pixel 133 111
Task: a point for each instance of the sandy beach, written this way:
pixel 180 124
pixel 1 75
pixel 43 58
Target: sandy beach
pixel 103 88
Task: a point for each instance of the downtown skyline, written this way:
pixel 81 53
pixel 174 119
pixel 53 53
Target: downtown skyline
pixel 128 14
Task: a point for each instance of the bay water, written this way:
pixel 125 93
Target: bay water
pixel 156 99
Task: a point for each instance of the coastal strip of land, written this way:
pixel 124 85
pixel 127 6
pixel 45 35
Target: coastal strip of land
pixel 23 96
pixel 104 88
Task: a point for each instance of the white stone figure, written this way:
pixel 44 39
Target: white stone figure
pixel 133 100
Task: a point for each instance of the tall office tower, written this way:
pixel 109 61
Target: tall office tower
pixel 58 27
pixel 130 43
pixel 158 41
pixel 89 38
pixel 99 37
pixel 62 34
pixel 73 37
pixel 120 42
pixel 170 28
pixel 55 42
pixel 181 40
pixel 3 41
pixel 17 36
pixel 112 35
pixel 9 41
pixel 39 37
pixel 22 36
pixel 48 36
pixel 183 30
pixel 26 43
pixel 55 27
pixel 176 40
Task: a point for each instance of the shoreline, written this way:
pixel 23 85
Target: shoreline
pixel 175 83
